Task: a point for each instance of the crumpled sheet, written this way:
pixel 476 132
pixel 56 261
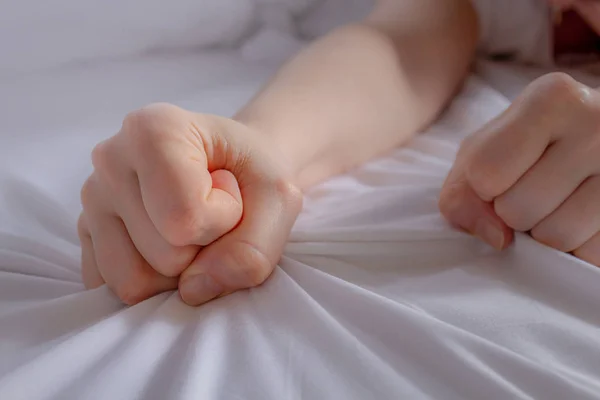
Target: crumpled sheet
pixel 375 296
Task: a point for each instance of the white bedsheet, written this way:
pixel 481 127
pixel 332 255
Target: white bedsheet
pixel 375 297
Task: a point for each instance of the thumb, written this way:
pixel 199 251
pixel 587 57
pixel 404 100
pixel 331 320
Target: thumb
pixel 464 209
pixel 246 256
pixel 225 181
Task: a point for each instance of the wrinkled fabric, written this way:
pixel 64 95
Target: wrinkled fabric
pixel 375 296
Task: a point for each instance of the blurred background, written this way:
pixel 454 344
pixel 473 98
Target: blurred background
pixel 81 60
pixel 71 69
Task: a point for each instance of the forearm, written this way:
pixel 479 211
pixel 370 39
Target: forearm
pixel 361 91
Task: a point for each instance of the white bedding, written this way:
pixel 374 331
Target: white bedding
pixel 383 302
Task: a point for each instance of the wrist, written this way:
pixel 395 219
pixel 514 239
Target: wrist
pixel 286 156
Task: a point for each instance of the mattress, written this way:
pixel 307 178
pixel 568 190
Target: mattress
pixel 375 296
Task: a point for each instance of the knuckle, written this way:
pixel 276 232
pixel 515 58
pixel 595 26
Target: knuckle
pixel 482 177
pixel 87 192
pixel 137 127
pixel 135 287
pixel 452 191
pixel 140 117
pixel 513 216
pixel 558 95
pixel 147 118
pixel 106 165
pixel 100 156
pixel 172 263
pixel 289 194
pixel 137 124
pixel 132 121
pixel 557 86
pixel 252 263
pixel 143 129
pixel 449 201
pixel 182 225
pixel 136 282
pixel 129 293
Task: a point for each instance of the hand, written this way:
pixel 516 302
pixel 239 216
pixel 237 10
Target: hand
pixel 183 200
pixel 533 169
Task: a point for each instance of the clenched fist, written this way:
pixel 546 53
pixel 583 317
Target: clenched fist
pixel 184 200
pixel 533 169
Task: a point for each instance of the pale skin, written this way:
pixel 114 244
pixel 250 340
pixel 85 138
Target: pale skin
pixel 204 204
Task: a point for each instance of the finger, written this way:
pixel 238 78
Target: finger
pixel 125 271
pixel 543 188
pixel 590 250
pixel 112 165
pixel 575 221
pixel 177 189
pixel 463 208
pixel 245 257
pixel 183 211
pixel 165 258
pixel 511 144
pixel 89 270
pixel 121 266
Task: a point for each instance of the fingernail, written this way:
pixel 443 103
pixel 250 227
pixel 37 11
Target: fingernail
pixel 489 233
pixel 199 289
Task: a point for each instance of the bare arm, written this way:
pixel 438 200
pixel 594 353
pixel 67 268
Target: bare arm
pixel 213 203
pixel 365 88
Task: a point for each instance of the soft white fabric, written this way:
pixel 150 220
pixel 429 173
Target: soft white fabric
pixel 375 297
pixel 36 34
pixel 329 14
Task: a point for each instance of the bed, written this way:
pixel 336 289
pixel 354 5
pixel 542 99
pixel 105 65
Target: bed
pixel 375 297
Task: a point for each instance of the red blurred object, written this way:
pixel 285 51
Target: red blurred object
pixel 573 36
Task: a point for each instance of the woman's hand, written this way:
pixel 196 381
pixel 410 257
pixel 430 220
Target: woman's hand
pixel 183 200
pixel 533 169
pixel 172 182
